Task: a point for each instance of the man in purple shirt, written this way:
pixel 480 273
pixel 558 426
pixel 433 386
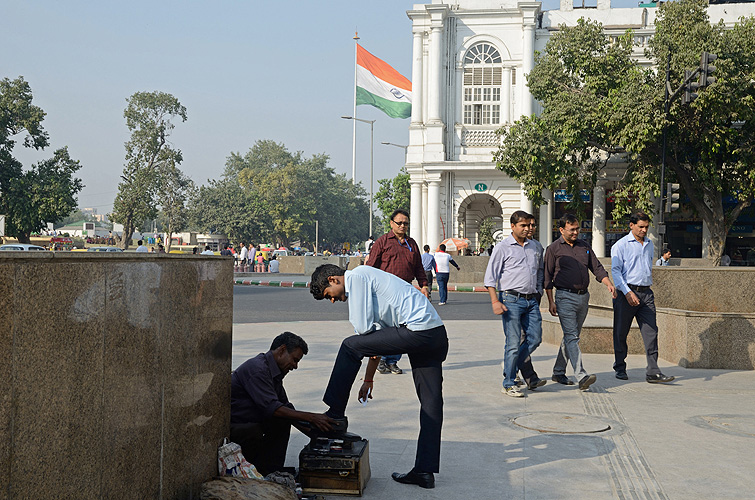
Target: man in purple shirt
pixel 514 279
pixel 261 414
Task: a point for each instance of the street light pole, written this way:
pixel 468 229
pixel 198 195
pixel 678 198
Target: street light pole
pixel 372 157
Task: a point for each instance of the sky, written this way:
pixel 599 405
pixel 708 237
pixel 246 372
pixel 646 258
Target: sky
pixel 245 71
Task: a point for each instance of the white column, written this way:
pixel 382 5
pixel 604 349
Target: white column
pixel 435 81
pixel 417 78
pixel 529 12
pixel 423 234
pixel 506 96
pixel 599 220
pixel 546 219
pixel 415 211
pixel 433 214
pixel 524 202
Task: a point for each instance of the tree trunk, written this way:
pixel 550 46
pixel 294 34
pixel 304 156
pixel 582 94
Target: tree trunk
pixel 23 237
pixel 168 237
pixel 718 231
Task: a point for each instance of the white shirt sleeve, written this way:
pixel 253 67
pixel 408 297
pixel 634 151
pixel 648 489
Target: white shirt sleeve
pixel 361 304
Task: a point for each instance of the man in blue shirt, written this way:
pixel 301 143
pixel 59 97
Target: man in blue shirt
pixel 428 263
pixel 389 316
pixel 631 267
pixel 514 278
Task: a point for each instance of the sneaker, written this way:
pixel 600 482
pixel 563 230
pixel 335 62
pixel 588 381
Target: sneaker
pixel 518 381
pixel 587 381
pixel 534 383
pixel 512 391
pixel 393 368
pixel 383 368
pixel 622 375
pixel 441 303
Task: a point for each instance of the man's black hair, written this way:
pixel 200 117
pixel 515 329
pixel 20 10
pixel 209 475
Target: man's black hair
pixel 638 216
pixel 519 216
pixel 442 247
pixel 319 281
pixel 140 242
pixel 426 248
pixel 399 211
pixel 291 341
pixel 567 219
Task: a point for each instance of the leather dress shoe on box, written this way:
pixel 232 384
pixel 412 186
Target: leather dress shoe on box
pixel 421 479
pixel 659 378
pixel 622 376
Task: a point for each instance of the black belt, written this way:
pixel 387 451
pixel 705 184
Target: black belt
pixel 525 296
pixel 638 288
pixel 572 290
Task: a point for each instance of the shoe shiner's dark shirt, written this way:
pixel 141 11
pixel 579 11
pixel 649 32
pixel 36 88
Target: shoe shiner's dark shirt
pixel 257 390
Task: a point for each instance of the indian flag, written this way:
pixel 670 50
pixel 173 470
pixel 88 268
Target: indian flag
pixel 379 85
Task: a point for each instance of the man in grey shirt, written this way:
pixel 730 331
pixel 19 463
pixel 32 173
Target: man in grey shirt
pixel 514 279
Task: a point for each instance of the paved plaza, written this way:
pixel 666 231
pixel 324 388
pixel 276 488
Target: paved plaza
pixel 694 438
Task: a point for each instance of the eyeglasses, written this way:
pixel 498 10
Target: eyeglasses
pixel 402 223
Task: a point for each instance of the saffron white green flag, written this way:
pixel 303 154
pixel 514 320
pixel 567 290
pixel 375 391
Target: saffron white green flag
pixel 379 85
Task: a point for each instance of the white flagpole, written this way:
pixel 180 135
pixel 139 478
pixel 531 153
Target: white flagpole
pixel 354 132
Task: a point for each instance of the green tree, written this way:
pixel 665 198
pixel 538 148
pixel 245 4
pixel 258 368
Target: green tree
pixel 599 103
pixel 149 118
pixel 174 189
pixel 393 194
pixel 487 227
pixel 44 193
pixel 298 191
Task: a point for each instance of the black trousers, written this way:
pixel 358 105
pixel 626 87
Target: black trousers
pixel 427 349
pixel 429 275
pixel 263 444
pixel 623 314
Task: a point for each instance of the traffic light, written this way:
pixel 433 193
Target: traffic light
pixel 690 88
pixel 707 69
pixel 672 197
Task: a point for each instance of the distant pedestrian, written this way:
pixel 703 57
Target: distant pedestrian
pixel 195 250
pixel 443 271
pixel 665 258
pixel 428 263
pixel 514 279
pixel 207 251
pixel 160 248
pixel 368 245
pixel 631 266
pixel 225 252
pixel 243 254
pixel 274 264
pixel 567 262
pixel 141 247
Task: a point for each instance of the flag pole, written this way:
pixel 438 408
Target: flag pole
pixel 354 130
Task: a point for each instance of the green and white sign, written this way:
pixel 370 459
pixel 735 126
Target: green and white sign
pixel 481 187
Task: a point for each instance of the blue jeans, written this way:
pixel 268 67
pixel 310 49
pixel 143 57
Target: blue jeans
pixel 572 311
pixel 522 315
pixel 442 279
pixel 391 359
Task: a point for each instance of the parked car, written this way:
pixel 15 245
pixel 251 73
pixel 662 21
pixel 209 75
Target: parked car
pixel 281 253
pixel 104 249
pixel 20 247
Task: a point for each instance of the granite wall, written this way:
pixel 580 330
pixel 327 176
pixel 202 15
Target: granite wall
pixel 116 373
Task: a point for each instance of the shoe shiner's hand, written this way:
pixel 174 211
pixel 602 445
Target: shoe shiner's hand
pixel 365 392
pixel 322 421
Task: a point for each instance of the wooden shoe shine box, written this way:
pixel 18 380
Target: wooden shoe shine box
pixel 334 469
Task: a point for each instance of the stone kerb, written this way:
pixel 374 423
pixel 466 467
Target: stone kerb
pixel 116 374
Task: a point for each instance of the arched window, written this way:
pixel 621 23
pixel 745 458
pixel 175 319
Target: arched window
pixel 482 85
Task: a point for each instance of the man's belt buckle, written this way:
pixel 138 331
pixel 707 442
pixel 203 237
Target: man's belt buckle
pixel 525 296
pixel 573 290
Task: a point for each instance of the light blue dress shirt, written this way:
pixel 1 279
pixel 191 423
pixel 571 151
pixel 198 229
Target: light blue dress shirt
pixel 516 267
pixel 632 263
pixel 379 300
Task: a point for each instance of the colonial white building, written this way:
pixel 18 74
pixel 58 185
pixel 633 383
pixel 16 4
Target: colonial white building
pixel 470 58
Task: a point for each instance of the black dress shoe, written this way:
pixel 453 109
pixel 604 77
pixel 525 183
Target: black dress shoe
pixel 622 375
pixel 421 479
pixel 659 378
pixel 534 383
pixel 393 368
pixel 587 381
pixel 562 379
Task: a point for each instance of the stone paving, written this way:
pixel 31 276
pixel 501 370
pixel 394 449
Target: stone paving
pixel 694 438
